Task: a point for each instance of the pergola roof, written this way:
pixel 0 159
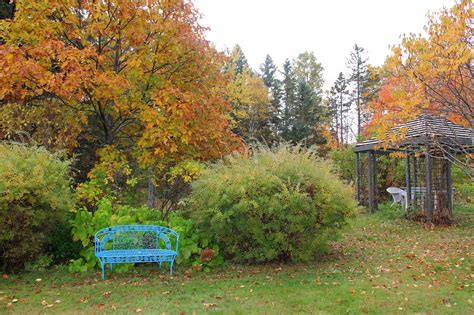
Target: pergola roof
pixel 426 128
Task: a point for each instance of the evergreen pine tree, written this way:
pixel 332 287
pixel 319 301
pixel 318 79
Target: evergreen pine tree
pixel 238 61
pixel 339 106
pixel 307 112
pixel 269 76
pixel 268 71
pixel 359 79
pixel 333 113
pixel 303 114
pixel 288 99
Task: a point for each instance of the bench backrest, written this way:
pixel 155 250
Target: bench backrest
pixel 135 237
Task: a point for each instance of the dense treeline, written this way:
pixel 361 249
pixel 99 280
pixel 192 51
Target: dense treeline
pixel 291 106
pixel 294 107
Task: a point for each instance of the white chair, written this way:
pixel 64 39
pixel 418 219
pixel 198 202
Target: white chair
pixel 399 196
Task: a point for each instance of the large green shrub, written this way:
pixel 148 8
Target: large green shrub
pixel 281 204
pixel 35 196
pixel 86 224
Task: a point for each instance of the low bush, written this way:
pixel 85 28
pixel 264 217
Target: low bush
pixel 35 197
pixel 281 204
pixel 86 224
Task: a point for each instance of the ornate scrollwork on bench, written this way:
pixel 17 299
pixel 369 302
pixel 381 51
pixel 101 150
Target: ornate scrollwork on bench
pixel 135 244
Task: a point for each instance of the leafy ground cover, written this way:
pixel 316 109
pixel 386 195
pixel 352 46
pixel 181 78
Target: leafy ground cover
pixel 383 264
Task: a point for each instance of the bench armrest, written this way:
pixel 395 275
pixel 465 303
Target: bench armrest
pixel 177 243
pixel 98 245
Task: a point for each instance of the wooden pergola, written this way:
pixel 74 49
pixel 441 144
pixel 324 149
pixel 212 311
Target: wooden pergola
pixel 430 144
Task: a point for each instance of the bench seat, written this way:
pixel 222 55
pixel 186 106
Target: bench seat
pixel 137 255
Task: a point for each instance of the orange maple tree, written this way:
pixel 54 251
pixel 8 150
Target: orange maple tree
pixel 138 76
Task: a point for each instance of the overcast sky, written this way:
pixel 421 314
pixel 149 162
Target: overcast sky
pixel 329 28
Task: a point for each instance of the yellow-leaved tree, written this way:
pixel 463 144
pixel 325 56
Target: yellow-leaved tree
pixel 431 73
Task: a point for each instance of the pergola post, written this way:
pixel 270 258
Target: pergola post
pixel 357 176
pixel 374 171
pixel 415 171
pixel 449 187
pixel 371 182
pixel 429 180
pixel 407 178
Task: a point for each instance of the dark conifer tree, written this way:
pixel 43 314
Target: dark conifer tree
pixel 339 106
pixel 269 76
pixel 288 98
pixel 238 60
pixel 359 80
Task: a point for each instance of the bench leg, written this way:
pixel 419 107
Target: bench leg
pixel 160 264
pixel 103 270
pixel 171 267
pixel 110 266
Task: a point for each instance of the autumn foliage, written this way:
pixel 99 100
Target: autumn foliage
pixel 136 76
pixel 432 72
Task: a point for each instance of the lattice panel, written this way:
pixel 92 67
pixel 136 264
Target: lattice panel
pixel 134 240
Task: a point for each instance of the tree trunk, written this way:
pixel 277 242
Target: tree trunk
pixel 150 188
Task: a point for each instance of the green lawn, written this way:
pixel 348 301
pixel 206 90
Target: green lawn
pixel 383 264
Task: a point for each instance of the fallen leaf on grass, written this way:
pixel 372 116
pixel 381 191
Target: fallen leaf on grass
pixel 166 292
pixel 5 276
pixel 188 273
pixel 138 310
pixel 44 303
pixel 209 305
pixel 100 306
pixel 83 299
pixel 106 294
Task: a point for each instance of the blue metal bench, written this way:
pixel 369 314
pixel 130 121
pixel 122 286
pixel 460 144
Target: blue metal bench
pixel 135 244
